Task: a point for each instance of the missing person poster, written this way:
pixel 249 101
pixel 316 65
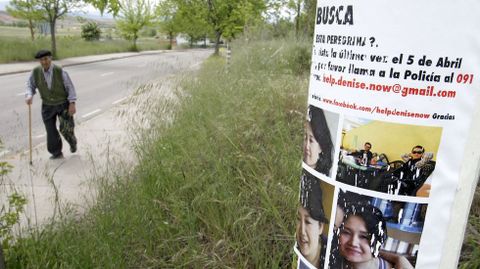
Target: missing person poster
pixel 393 89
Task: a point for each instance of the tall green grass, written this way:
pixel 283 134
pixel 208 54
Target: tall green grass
pixel 20 49
pixel 470 257
pixel 217 188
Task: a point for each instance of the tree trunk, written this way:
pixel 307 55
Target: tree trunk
pixel 297 22
pixel 54 40
pixel 218 35
pixel 32 32
pixel 170 35
pixel 2 259
pixel 135 43
pixel 205 42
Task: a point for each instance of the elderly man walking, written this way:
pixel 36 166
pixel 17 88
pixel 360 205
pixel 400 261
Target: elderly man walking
pixel 58 100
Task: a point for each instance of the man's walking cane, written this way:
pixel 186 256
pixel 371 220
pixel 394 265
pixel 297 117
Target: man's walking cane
pixel 30 131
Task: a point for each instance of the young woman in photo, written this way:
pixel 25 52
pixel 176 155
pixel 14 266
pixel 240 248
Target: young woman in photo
pixel 362 233
pixel 317 146
pixel 311 221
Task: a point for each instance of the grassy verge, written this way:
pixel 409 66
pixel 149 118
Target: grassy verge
pixel 470 257
pixel 217 189
pixel 20 49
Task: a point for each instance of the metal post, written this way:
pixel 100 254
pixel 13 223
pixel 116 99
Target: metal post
pixel 229 56
pixel 30 131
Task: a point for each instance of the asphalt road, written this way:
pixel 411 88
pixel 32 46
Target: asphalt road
pixel 99 86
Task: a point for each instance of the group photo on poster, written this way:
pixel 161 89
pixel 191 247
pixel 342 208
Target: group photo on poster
pixel 375 233
pixel 314 210
pixel 399 162
pixel 319 139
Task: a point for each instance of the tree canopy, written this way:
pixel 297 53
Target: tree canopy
pixel 133 16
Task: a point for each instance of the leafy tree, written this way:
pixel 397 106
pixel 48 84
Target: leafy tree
pixel 91 31
pixel 308 17
pixel 228 17
pixel 27 10
pixel 110 6
pixel 196 18
pixel 304 12
pixel 169 18
pixel 133 16
pixel 52 10
pixel 193 21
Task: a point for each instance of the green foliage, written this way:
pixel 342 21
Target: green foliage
pixel 5 168
pixel 134 15
pixel 110 6
pixel 9 217
pixel 91 31
pixel 201 18
pixel 26 10
pixel 148 32
pixel 470 256
pixel 229 17
pixel 168 17
pixel 20 24
pixel 217 189
pixel 281 11
pixel 10 212
pixel 299 60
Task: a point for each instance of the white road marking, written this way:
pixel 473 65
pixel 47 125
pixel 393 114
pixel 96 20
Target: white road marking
pixel 107 74
pixel 40 136
pixel 91 113
pixel 3 153
pixel 21 94
pixel 119 100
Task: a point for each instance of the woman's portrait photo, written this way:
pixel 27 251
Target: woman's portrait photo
pixel 375 233
pixel 319 139
pixel 316 199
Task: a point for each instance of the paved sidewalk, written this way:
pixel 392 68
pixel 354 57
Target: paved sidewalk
pixel 105 148
pixel 13 68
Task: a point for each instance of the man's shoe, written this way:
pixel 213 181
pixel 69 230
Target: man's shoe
pixel 73 148
pixel 58 156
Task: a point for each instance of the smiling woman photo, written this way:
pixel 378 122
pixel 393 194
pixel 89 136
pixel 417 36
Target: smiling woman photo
pixel 362 233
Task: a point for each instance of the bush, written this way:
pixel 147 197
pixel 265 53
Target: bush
pixel 10 211
pixel 148 32
pixel 91 31
pixel 300 58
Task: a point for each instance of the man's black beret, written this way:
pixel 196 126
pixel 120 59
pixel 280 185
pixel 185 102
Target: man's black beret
pixel 43 53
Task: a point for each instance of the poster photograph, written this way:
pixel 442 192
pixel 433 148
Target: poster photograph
pixel 392 94
pixel 313 217
pixel 400 162
pixel 375 232
pixel 319 139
